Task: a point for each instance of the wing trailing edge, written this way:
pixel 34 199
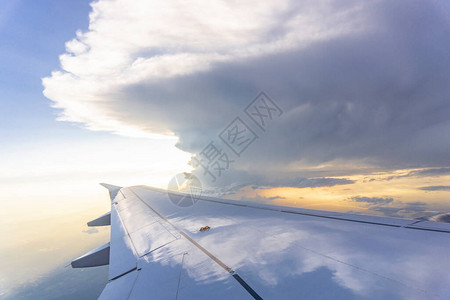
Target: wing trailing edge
pixel 99 256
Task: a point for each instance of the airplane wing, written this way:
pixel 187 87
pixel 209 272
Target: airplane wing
pixel 224 249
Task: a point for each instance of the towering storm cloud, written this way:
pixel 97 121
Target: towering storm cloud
pixel 359 83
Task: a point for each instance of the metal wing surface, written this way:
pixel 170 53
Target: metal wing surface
pixel 255 251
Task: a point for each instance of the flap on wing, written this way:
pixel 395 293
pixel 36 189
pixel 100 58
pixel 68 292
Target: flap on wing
pixel 94 258
pixel 103 220
pixel 121 287
pixel 432 226
pixel 113 189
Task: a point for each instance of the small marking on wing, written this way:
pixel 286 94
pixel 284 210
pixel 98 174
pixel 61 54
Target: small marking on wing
pixel 205 228
pixel 239 279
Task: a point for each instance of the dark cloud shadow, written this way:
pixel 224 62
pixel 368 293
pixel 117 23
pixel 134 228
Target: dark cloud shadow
pixel 436 188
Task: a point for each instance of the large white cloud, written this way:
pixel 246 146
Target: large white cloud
pixel 139 42
pixel 358 81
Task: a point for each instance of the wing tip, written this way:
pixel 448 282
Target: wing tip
pixel 113 189
pixel 110 186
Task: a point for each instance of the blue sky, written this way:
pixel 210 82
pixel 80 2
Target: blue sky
pixel 50 169
pixel 33 36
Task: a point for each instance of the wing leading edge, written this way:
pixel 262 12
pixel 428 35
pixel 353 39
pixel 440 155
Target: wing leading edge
pixel 254 251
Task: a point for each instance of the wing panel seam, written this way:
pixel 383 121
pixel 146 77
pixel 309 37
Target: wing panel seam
pixel 239 279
